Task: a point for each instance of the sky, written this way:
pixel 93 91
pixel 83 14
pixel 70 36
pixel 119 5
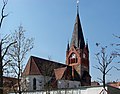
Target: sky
pixel 51 23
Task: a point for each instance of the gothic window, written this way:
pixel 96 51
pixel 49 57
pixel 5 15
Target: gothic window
pixel 72 58
pixel 68 84
pixel 34 84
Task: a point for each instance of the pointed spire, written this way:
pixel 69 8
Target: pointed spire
pixel 77 36
pixel 68 47
pixel 87 46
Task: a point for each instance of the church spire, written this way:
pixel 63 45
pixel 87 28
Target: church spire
pixel 68 46
pixel 77 36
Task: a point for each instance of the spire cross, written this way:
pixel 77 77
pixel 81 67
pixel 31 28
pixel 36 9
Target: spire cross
pixel 77 6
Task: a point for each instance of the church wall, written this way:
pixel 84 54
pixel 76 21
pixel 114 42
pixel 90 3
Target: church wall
pixel 40 81
pixel 68 84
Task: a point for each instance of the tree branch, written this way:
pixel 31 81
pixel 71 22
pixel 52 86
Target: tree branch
pixel 108 70
pixel 7 63
pixel 117 68
pixel 98 59
pixel 7 49
pixel 100 79
pixel 2 13
pixel 99 68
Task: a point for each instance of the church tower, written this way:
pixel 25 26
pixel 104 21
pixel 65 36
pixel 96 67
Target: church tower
pixel 77 54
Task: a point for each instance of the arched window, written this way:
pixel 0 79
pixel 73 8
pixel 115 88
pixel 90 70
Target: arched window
pixel 34 84
pixel 73 58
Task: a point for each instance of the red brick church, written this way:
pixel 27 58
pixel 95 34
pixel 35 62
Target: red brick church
pixel 73 74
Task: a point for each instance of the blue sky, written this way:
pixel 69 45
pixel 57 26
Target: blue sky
pixel 51 22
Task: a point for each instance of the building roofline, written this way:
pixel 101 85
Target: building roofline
pixel 53 61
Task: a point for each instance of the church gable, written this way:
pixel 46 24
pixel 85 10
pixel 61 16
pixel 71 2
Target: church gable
pixel 73 56
pixel 31 68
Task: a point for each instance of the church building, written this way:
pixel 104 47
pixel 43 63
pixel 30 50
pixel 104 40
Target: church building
pixel 42 74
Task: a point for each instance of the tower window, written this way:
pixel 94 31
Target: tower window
pixel 72 58
pixel 34 84
pixel 84 55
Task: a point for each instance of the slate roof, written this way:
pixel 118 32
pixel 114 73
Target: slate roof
pixel 40 66
pixel 59 73
pixel 77 36
pixel 64 73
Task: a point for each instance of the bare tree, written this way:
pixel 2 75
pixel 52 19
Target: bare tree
pixel 1 68
pixel 116 50
pixel 117 47
pixel 18 52
pixel 2 12
pixel 105 61
pixel 3 49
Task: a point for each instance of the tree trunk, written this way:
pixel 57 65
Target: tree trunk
pixel 1 71
pixel 104 69
pixel 104 81
pixel 19 85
